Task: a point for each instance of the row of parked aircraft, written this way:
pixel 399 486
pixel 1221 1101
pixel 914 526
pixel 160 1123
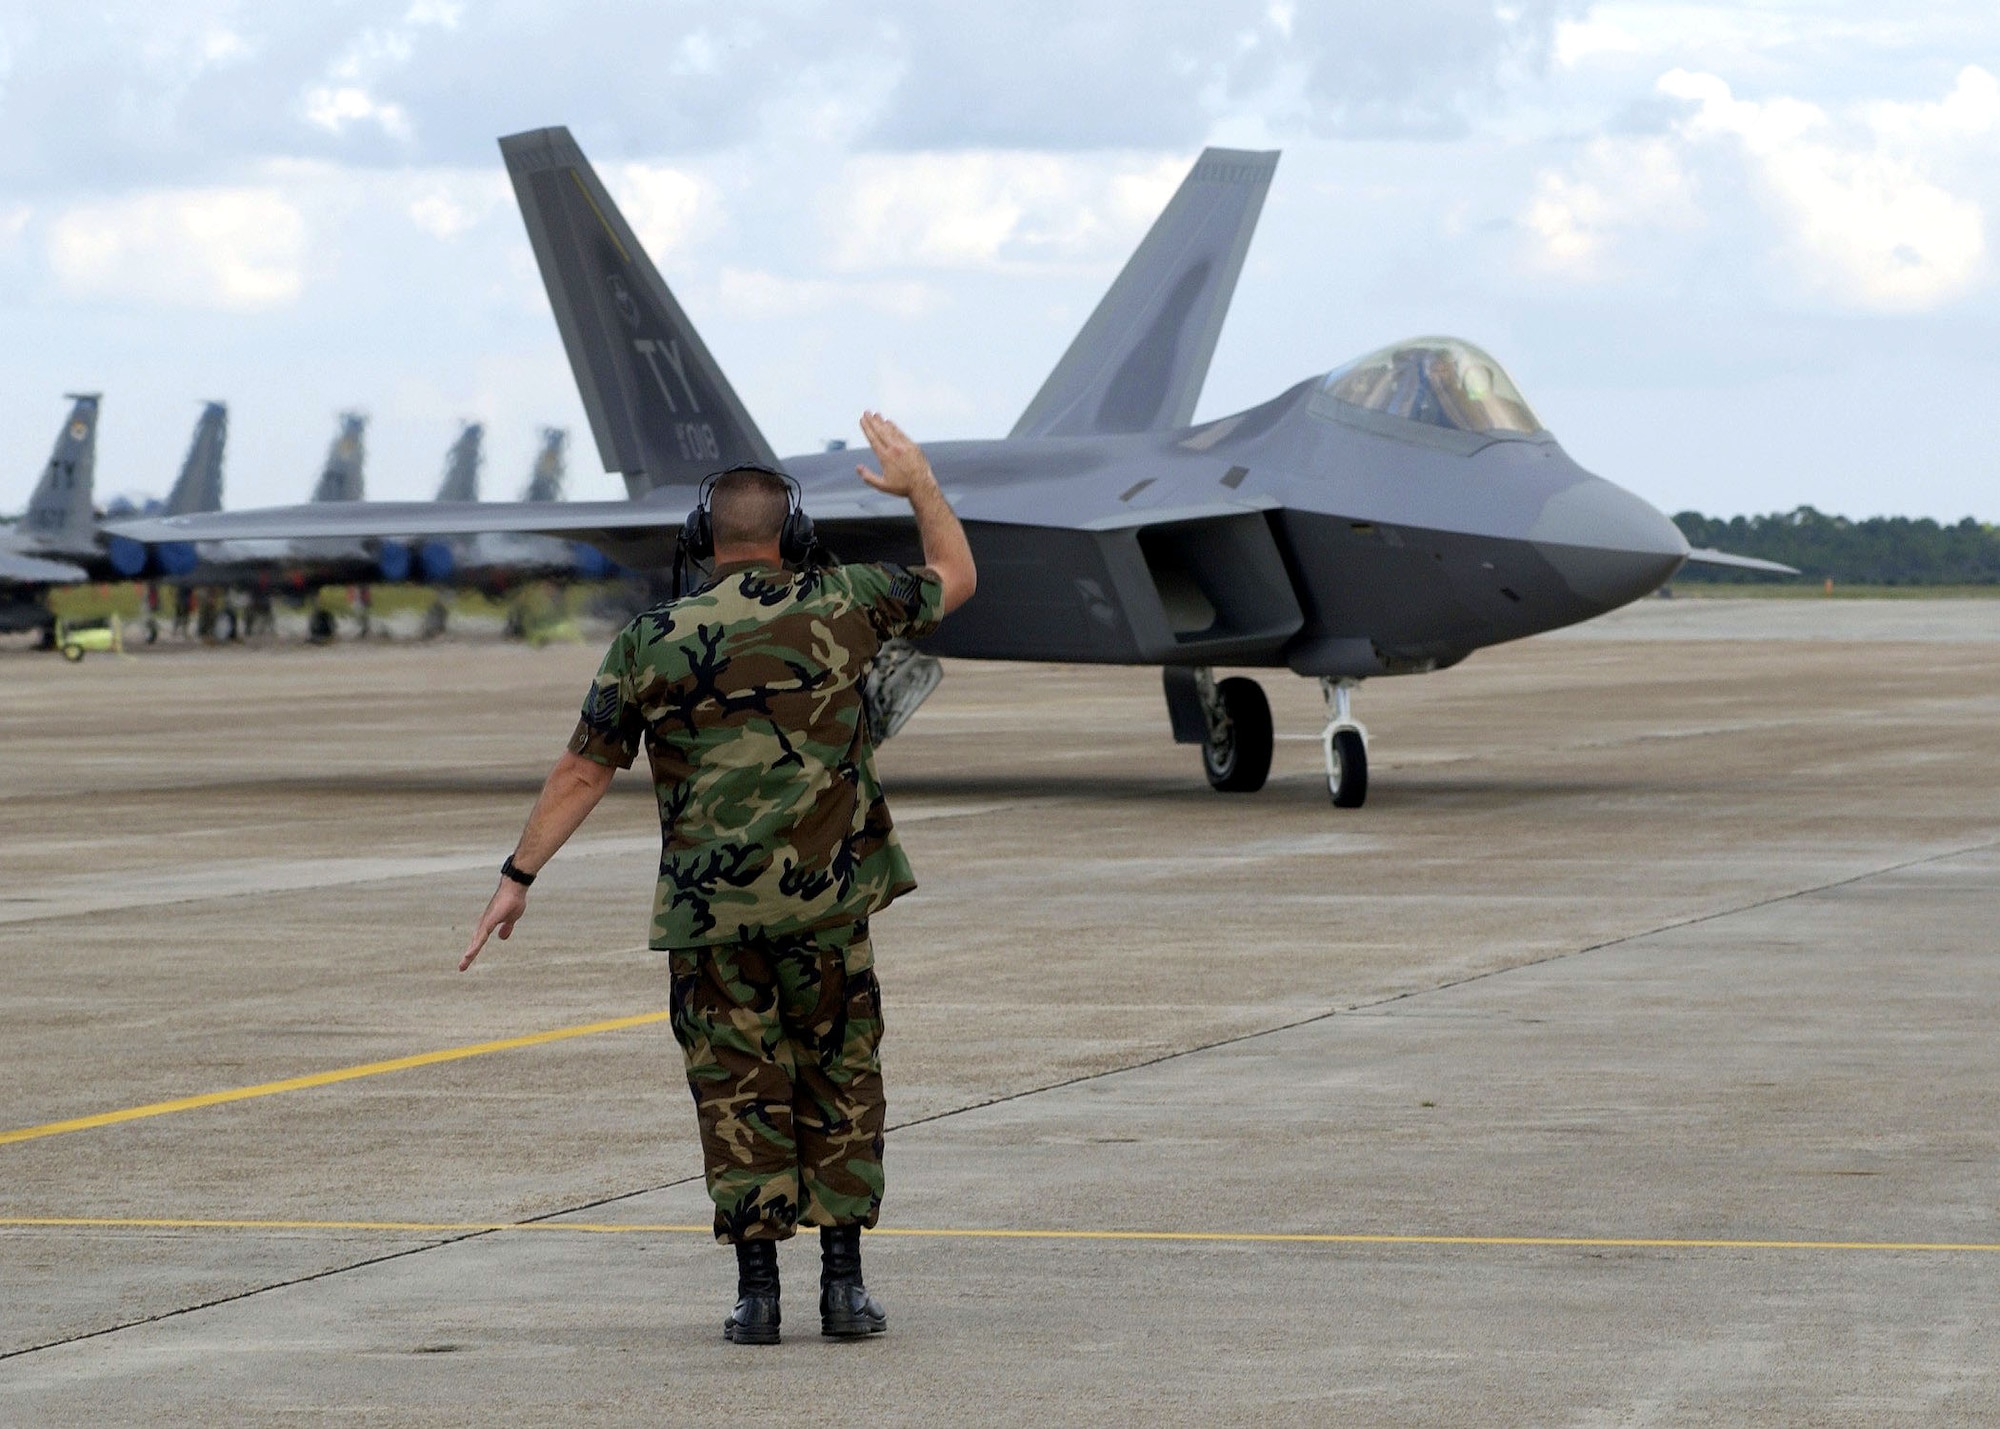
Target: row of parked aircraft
pixel 61 538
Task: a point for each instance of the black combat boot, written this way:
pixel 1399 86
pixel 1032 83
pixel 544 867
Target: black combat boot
pixel 846 1310
pixel 755 1319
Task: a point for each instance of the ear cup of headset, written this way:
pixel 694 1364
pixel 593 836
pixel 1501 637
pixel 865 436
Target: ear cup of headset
pixel 698 532
pixel 796 539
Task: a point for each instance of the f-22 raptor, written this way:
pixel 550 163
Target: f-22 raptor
pixel 1386 518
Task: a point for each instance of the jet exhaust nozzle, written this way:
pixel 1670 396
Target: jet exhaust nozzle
pixel 437 562
pixel 392 559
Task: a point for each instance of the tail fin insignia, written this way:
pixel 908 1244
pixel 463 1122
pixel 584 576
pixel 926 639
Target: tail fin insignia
pixel 341 479
pixel 660 408
pixel 1139 362
pixel 59 515
pixel 545 482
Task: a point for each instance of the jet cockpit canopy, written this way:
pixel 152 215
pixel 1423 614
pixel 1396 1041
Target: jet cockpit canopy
pixel 1437 380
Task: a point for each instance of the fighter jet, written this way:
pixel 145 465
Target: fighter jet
pixel 24 586
pixel 303 566
pixel 1386 518
pixel 498 561
pixel 61 530
pixel 60 524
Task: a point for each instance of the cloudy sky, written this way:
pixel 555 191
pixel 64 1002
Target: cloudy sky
pixel 1737 255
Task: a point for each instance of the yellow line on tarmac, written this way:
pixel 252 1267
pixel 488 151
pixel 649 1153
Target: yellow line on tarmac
pixel 1253 1237
pixel 322 1079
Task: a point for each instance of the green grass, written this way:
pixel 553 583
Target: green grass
pixel 539 601
pixel 1815 590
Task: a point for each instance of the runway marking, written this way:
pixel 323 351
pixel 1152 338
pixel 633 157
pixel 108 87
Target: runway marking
pixel 960 1233
pixel 322 1079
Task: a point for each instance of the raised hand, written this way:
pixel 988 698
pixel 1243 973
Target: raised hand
pixel 905 468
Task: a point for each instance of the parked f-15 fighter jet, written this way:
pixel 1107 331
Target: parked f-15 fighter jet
pixel 1386 518
pixel 498 561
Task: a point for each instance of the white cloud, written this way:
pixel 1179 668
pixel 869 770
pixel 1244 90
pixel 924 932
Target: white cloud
pixel 347 95
pixel 668 208
pixel 756 293
pixel 221 46
pixel 1867 221
pixel 1620 186
pixel 994 209
pixel 14 222
pixel 1578 40
pixel 334 107
pixel 1876 207
pixel 451 202
pixel 238 249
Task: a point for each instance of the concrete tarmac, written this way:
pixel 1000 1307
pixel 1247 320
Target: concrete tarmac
pixel 1598 1061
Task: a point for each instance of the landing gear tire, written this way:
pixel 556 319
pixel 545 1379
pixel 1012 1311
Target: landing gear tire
pixel 1347 778
pixel 1345 743
pixel 1237 756
pixel 72 653
pixel 319 626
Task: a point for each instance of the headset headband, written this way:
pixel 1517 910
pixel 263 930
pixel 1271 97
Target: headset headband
pixel 796 540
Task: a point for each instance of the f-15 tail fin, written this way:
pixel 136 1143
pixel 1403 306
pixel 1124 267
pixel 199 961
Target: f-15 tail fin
pixel 660 408
pixel 199 486
pixel 341 478
pixel 59 515
pixel 545 482
pixel 1139 362
pixel 461 465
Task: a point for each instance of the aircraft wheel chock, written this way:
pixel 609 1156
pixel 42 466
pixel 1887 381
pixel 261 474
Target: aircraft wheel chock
pixel 1237 759
pixel 1347 778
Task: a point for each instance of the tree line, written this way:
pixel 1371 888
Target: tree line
pixel 1883 550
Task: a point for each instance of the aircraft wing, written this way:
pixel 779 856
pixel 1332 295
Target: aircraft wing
pixel 1702 556
pixel 32 570
pixel 403 520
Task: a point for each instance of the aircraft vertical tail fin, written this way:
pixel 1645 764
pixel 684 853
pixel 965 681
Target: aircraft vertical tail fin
pixel 199 486
pixel 1139 362
pixel 341 478
pixel 59 514
pixel 461 465
pixel 545 482
pixel 660 408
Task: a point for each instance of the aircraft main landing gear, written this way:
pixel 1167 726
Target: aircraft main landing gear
pixel 1345 743
pixel 1236 748
pixel 1229 719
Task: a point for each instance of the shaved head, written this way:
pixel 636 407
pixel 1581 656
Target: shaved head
pixel 748 508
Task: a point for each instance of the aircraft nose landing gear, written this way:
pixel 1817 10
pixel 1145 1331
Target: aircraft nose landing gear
pixel 1346 745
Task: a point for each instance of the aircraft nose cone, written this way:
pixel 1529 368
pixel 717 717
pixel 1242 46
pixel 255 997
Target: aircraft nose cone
pixel 1607 544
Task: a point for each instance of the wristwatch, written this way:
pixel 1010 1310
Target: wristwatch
pixel 519 875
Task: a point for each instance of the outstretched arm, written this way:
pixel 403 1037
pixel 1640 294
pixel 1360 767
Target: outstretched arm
pixel 568 795
pixel 906 472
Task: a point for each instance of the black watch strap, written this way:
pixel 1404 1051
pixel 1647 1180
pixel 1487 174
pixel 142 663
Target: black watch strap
pixel 519 875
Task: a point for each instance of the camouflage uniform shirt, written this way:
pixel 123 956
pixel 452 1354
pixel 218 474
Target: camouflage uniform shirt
pixel 747 698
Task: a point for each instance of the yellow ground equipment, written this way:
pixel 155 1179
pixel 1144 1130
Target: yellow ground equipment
pixel 75 642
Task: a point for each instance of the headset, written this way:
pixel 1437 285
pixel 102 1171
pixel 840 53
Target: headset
pixel 796 539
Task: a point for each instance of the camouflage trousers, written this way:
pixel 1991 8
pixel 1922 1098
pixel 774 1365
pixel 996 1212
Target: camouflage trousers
pixel 781 1038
